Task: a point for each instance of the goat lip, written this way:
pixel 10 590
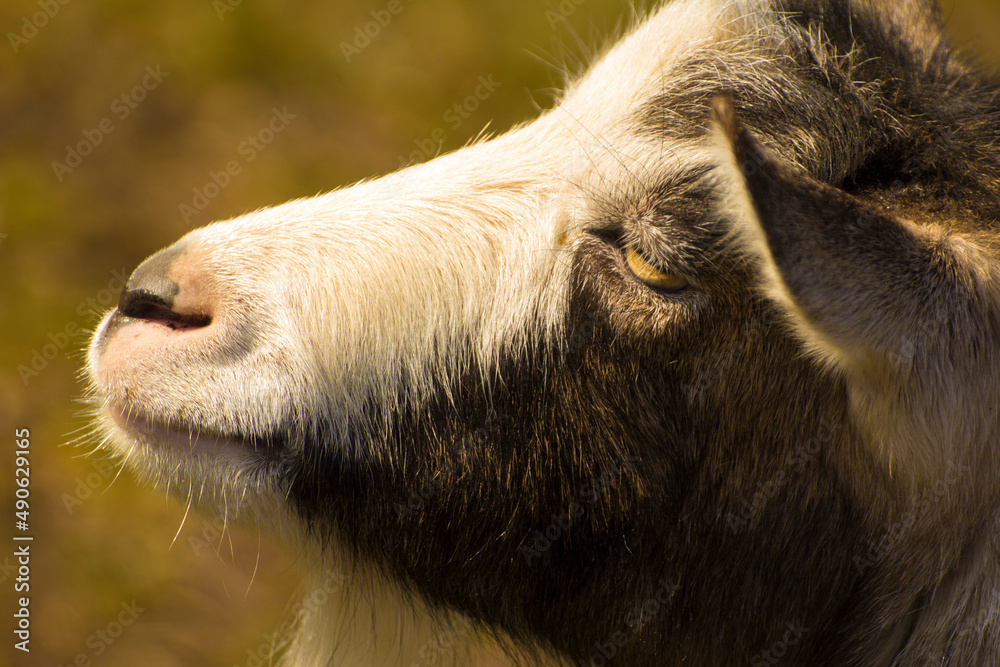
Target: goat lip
pixel 158 434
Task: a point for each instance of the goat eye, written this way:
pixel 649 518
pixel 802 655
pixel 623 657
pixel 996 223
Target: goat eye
pixel 651 275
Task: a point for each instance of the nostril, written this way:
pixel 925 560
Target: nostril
pixel 143 305
pixel 150 294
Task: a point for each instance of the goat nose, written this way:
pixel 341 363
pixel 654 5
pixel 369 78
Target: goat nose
pixel 149 288
pixel 150 294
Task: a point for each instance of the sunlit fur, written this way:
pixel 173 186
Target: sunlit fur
pixel 411 379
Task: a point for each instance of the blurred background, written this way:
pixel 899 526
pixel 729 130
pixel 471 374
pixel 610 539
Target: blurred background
pixel 155 100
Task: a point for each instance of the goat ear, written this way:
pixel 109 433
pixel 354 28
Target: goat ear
pixel 861 286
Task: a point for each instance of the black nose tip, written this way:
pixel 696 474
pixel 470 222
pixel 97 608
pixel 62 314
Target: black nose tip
pixel 149 292
pixel 151 295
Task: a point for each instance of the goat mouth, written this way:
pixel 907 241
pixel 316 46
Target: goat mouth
pixel 182 438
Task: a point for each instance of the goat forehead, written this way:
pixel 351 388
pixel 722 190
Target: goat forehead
pixel 597 117
pixel 638 66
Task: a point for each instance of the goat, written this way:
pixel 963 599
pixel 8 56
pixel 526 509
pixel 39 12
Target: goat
pixel 699 367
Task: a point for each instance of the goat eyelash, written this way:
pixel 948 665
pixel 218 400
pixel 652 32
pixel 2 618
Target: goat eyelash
pixel 652 275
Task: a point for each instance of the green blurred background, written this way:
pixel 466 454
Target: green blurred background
pixel 67 232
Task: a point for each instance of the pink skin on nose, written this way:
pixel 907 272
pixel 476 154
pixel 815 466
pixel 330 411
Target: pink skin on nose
pixel 150 331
